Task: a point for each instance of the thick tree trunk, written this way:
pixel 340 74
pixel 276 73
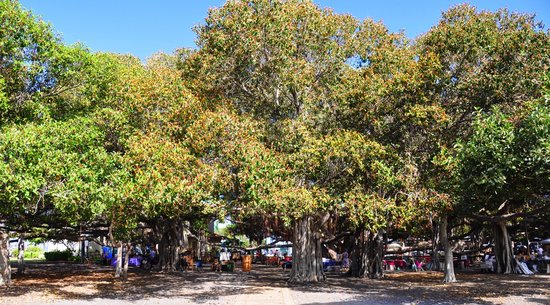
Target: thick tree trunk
pixel 503 249
pixel 359 259
pixel 307 259
pixel 171 242
pixel 21 256
pixel 435 246
pixel 168 254
pixel 367 255
pixel 375 255
pixel 202 245
pixel 126 261
pixel 448 267
pixel 5 269
pixel 118 271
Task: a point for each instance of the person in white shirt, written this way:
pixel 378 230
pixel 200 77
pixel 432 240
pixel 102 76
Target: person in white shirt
pixel 489 262
pixel 225 255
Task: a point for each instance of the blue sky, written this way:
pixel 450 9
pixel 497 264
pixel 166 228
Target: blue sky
pixel 143 27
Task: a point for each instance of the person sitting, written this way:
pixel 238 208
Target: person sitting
pixel 412 264
pixel 198 264
pixel 535 265
pixel 286 265
pixel 488 263
pixel 225 256
pixel 216 266
pixel 522 267
pixel 182 264
pixel 419 265
pixel 153 256
pixel 191 262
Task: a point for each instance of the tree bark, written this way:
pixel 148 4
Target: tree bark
pixel 435 244
pixel 307 259
pixel 367 254
pixel 183 240
pixel 83 251
pixel 448 267
pixel 172 240
pixel 118 271
pixel 21 256
pixel 126 261
pixel 375 255
pixel 167 253
pixel 358 264
pixel 5 269
pixel 503 249
pixel 202 245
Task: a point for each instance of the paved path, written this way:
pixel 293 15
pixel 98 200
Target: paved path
pixel 271 296
pixel 74 284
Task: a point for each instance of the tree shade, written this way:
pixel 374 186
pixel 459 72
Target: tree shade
pixel 306 124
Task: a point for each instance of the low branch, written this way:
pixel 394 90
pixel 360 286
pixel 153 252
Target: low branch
pixel 337 237
pixel 511 216
pixel 270 246
pixel 409 250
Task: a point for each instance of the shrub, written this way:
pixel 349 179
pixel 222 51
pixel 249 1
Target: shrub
pixel 75 258
pixel 34 252
pixel 30 252
pixel 58 255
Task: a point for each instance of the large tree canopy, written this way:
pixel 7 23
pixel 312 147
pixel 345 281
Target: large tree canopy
pixel 291 120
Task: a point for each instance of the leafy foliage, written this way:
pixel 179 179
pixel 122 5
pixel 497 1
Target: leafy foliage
pixel 285 112
pixel 506 162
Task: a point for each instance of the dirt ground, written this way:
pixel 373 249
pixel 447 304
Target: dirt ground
pixel 68 283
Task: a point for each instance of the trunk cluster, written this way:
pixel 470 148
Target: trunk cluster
pixel 123 257
pixel 367 254
pixel 503 249
pixel 171 242
pixel 307 259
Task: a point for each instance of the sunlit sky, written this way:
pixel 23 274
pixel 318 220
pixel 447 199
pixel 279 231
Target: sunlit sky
pixel 143 27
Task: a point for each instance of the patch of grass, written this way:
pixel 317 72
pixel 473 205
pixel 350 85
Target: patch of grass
pixel 32 252
pixel 35 259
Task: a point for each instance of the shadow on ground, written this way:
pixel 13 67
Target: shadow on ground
pixel 69 281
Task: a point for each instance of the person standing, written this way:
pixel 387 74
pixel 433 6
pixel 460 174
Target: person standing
pixel 345 260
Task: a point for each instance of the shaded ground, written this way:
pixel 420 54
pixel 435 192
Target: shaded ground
pixel 67 283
